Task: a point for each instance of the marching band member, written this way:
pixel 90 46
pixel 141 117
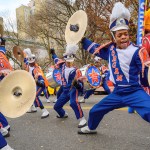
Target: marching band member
pixel 126 61
pixel 3 144
pixel 146 38
pixel 4 126
pixel 40 80
pixel 5 69
pixel 146 45
pixel 104 73
pixel 70 85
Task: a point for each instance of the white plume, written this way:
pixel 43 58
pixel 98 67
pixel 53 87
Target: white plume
pixel 71 49
pixel 96 58
pixel 119 11
pixel 28 52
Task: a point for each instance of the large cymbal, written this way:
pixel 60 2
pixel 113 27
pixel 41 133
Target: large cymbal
pixel 149 76
pixel 76 27
pixel 17 93
pixel 18 53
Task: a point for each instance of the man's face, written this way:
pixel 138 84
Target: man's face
pixel 31 64
pixel 98 63
pixel 122 39
pixel 69 64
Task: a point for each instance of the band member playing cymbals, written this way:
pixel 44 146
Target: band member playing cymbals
pixel 126 61
pixel 146 45
pixel 37 74
pixel 70 85
pixel 5 69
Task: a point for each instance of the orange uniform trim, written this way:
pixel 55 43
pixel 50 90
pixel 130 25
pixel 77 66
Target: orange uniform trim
pixel 79 107
pixel 5 62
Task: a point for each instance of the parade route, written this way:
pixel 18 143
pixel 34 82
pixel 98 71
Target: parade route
pixel 118 131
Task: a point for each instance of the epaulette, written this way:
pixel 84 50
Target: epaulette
pixel 102 46
pixel 144 57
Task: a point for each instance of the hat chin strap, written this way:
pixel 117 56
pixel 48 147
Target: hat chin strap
pixel 113 36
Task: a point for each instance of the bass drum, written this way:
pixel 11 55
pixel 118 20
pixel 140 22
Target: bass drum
pixel 54 78
pixel 91 77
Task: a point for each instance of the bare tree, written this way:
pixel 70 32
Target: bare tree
pixel 48 24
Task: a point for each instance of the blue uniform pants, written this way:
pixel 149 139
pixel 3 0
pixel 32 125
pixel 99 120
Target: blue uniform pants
pixel 71 95
pixel 37 101
pixel 3 120
pixel 3 142
pixel 45 91
pixel 59 92
pixel 138 100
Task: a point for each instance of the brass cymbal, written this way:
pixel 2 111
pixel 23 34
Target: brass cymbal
pixel 76 27
pixel 18 53
pixel 17 93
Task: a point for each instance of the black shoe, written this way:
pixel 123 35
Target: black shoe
pixel 81 126
pixel 7 135
pixel 65 116
pixel 86 130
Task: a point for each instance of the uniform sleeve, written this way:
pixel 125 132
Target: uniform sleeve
pixel 142 70
pixel 91 47
pixel 58 62
pixel 55 58
pixel 38 77
pixel 3 49
pixel 138 61
pixel 146 44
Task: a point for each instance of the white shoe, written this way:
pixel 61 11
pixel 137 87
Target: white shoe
pixel 55 101
pixel 4 132
pixel 45 113
pixel 7 147
pixel 7 127
pixel 82 122
pixel 86 130
pixel 32 109
pixel 48 101
pixel 82 100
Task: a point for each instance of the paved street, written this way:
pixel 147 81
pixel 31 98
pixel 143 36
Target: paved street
pixel 117 131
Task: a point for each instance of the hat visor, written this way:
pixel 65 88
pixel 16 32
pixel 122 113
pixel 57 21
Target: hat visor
pixel 69 59
pixel 120 28
pixel 31 61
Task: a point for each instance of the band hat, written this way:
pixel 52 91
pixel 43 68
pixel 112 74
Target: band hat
pixel 69 58
pixel 31 58
pixel 27 51
pixel 71 50
pixel 76 27
pixel 96 59
pixel 119 18
pixel 147 20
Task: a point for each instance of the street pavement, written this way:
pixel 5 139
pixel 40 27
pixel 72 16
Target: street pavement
pixel 117 131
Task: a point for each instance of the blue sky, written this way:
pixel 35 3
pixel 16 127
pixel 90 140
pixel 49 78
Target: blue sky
pixel 7 7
